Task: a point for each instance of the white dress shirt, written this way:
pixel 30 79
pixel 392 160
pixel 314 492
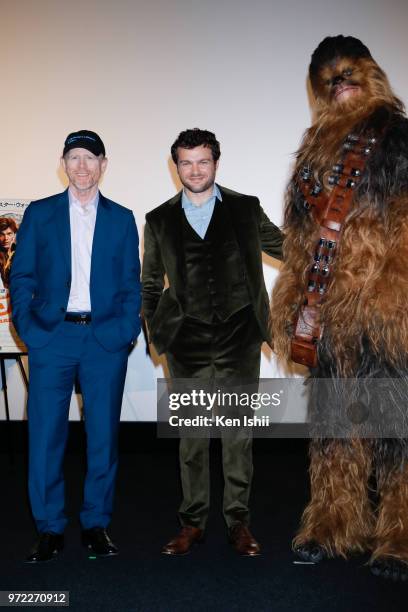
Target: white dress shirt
pixel 82 220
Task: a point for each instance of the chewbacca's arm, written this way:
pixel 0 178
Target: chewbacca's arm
pixel 287 293
pixel 387 323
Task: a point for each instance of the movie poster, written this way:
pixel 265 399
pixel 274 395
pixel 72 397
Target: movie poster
pixel 11 214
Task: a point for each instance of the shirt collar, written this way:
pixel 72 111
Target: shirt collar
pixel 186 202
pixel 73 201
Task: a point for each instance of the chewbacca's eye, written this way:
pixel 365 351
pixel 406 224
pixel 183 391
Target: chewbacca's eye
pixel 347 73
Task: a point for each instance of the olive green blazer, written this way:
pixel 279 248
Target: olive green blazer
pixel 163 255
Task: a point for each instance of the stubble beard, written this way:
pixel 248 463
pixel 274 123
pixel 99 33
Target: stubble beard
pixel 199 188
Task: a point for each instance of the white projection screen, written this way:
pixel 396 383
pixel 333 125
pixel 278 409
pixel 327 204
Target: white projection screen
pixel 138 73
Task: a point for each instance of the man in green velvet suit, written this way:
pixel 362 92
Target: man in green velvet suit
pixel 213 317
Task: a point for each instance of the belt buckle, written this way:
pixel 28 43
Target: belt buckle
pixel 82 319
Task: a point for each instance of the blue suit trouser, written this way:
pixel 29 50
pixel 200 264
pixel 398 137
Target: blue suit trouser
pixel 73 352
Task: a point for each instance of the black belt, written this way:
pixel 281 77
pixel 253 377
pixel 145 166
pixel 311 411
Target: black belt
pixel 80 318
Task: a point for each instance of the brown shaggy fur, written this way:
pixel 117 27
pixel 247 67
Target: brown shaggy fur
pixel 339 515
pixel 391 529
pixel 366 306
pixel 372 251
pixel 322 142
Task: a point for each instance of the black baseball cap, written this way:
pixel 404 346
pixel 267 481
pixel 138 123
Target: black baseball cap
pixel 84 139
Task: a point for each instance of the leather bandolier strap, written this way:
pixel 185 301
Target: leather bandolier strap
pixel 329 211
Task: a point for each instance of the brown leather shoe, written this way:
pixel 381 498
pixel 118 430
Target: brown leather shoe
pixel 243 541
pixel 182 543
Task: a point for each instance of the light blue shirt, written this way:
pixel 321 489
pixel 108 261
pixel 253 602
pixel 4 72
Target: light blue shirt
pixel 199 217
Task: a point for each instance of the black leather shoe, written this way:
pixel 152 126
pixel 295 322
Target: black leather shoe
pixel 98 542
pixel 310 552
pixel 46 548
pixel 389 568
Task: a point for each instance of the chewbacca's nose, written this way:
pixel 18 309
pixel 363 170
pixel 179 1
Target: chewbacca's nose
pixel 337 80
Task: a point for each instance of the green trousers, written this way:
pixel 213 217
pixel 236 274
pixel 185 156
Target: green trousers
pixel 220 350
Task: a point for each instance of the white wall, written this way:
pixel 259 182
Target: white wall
pixel 138 72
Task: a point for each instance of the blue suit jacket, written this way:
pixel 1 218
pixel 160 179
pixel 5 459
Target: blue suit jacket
pixel 41 273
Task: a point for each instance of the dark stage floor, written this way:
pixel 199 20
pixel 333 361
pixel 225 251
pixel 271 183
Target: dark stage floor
pixel 213 577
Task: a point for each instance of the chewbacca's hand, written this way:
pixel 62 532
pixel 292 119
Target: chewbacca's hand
pixel 290 329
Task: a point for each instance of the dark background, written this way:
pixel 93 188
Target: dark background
pixel 213 577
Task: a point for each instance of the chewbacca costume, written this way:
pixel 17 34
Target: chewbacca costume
pixel 363 313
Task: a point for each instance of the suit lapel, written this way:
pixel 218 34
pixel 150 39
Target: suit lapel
pixel 63 226
pixel 174 217
pixel 102 225
pixel 237 218
pixel 174 234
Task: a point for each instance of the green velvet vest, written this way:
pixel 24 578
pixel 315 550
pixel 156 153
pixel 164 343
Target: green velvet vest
pixel 213 269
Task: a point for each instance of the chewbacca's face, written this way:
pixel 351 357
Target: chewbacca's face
pixel 345 77
pixel 344 81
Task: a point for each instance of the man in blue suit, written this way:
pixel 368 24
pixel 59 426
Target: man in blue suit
pixel 76 305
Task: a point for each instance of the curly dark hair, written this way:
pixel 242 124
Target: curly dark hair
pixel 189 139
